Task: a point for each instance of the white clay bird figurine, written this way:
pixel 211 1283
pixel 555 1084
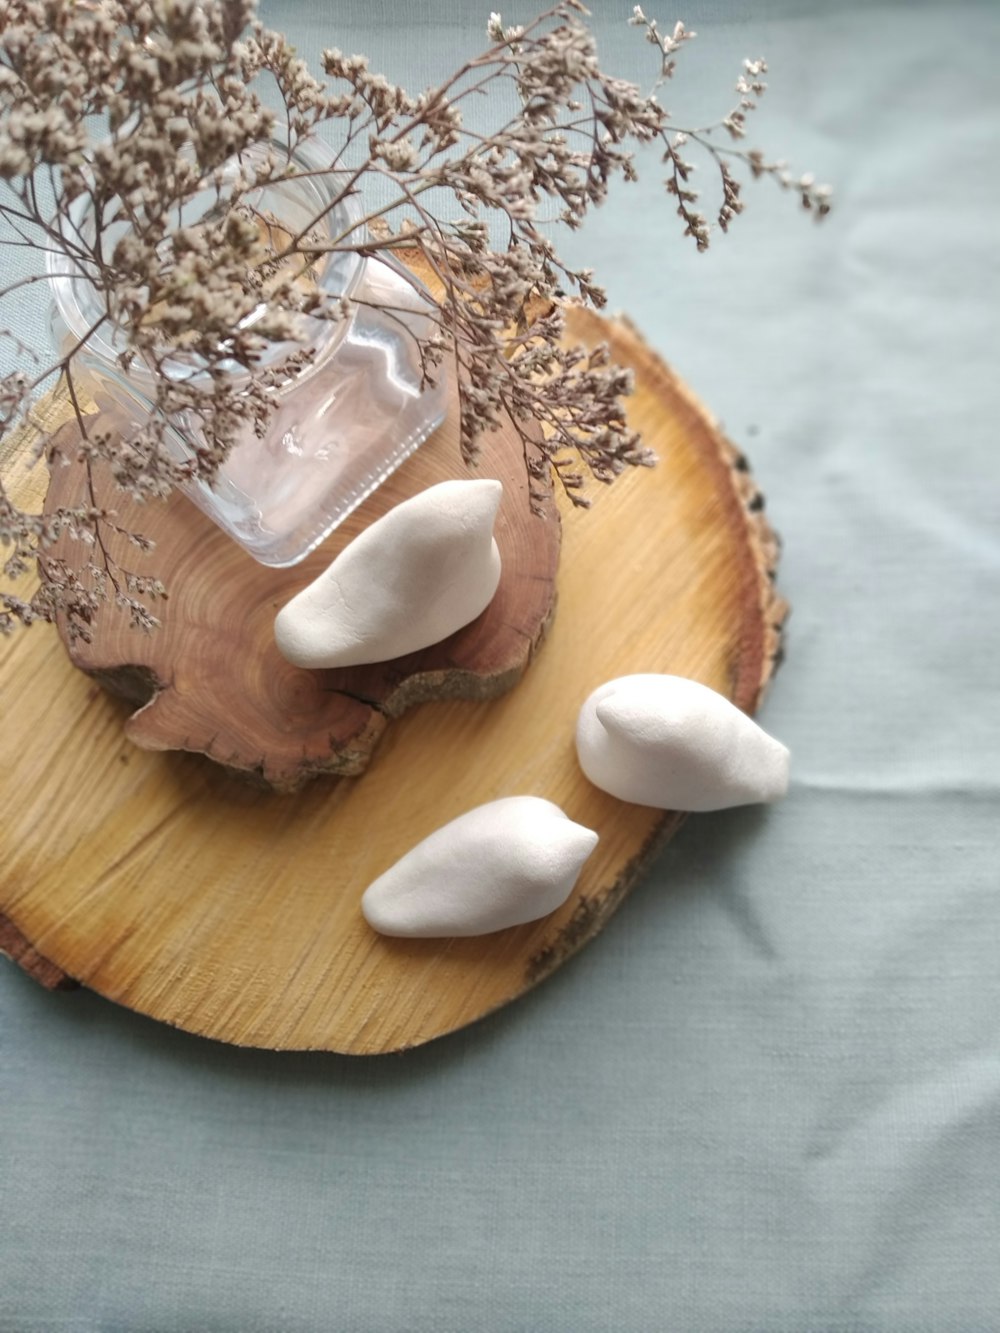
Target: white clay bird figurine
pixel 501 864
pixel 410 579
pixel 673 743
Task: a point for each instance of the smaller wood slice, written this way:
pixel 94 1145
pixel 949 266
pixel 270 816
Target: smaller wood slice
pixel 211 679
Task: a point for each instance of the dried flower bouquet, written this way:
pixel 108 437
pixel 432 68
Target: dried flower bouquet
pixel 137 106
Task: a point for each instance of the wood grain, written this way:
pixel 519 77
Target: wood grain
pixel 187 894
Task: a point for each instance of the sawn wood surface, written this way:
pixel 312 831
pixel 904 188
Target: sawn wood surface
pixel 179 889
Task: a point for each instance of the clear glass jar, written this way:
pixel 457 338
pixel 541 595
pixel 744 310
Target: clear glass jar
pixel 341 426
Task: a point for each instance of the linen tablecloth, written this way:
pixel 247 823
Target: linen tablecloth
pixel 768 1097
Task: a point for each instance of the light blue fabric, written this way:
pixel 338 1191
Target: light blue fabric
pixel 768 1097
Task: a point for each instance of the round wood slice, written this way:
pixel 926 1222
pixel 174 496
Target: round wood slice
pixel 212 680
pixel 184 892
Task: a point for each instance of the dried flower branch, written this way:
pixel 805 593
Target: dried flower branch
pixel 211 309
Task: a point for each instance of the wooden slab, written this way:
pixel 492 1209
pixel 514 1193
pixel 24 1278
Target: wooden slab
pixel 211 678
pixel 185 893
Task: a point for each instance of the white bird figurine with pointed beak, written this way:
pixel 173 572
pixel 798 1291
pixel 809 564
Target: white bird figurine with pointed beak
pixel 501 864
pixel 672 743
pixel 410 579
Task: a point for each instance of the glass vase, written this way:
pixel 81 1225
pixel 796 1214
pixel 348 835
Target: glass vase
pixel 341 425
